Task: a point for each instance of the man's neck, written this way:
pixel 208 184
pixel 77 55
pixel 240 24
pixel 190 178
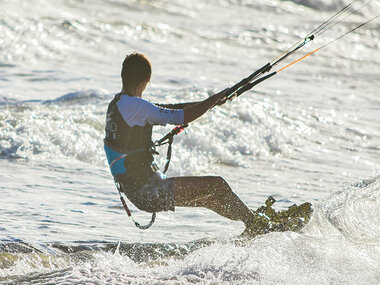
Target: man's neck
pixel 133 93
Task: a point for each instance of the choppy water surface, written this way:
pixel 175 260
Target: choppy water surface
pixel 309 134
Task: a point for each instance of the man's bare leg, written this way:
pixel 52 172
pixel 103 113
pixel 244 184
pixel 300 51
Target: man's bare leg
pixel 211 192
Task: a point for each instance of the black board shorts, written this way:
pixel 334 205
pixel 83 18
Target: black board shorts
pixel 156 195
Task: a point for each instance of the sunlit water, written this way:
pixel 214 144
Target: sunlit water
pixel 311 133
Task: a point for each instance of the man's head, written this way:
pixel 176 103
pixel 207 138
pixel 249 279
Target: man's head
pixel 136 73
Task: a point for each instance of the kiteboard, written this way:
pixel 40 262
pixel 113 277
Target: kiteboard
pixel 269 220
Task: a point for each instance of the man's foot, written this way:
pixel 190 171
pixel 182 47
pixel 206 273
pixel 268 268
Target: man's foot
pixel 268 220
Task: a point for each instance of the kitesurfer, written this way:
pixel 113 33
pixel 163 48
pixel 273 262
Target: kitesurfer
pixel 128 146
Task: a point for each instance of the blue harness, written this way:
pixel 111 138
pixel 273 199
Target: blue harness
pixel 116 160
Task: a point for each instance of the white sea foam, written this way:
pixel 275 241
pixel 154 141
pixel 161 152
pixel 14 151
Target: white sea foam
pixel 308 134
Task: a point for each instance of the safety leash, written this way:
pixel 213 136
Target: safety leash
pixel 168 139
pixel 152 220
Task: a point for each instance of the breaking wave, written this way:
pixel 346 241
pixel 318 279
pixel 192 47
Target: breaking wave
pixel 347 222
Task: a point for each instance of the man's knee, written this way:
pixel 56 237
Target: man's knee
pixel 217 184
pixel 221 182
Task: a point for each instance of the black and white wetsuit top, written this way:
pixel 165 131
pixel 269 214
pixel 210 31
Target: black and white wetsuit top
pixel 129 131
pixel 139 112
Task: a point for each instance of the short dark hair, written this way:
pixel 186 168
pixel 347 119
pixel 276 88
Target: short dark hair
pixel 136 69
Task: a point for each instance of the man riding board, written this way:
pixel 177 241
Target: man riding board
pixel 128 146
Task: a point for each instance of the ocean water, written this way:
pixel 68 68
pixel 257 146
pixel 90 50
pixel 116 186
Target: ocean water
pixel 309 134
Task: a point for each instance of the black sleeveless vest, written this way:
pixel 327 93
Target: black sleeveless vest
pixel 123 138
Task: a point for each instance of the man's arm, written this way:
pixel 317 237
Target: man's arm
pixel 195 111
pixel 183 106
pixel 178 105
